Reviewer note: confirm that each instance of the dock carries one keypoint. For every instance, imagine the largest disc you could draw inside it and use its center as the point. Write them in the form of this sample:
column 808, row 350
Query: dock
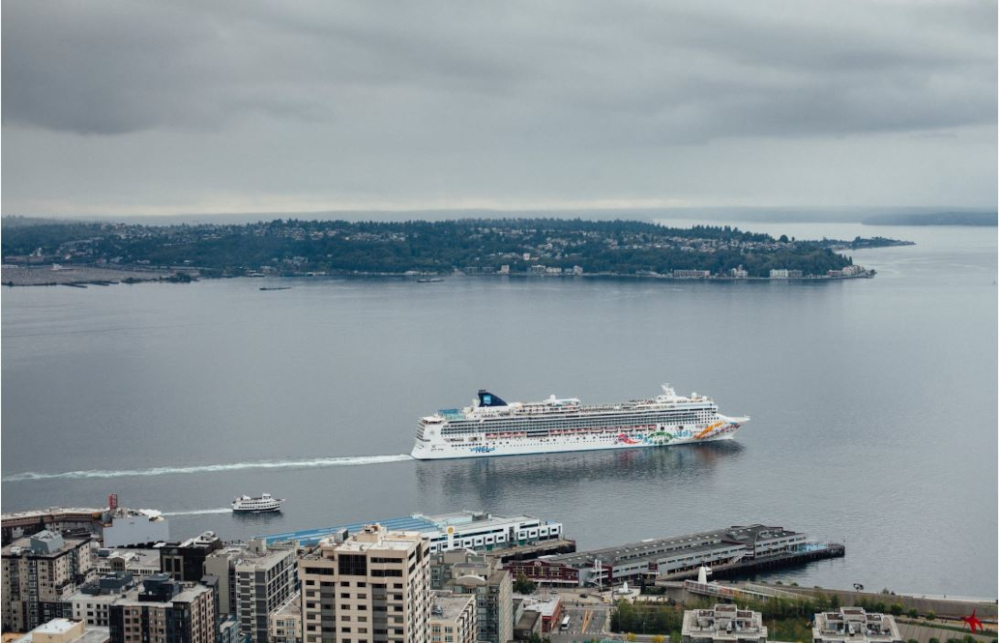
column 743, row 566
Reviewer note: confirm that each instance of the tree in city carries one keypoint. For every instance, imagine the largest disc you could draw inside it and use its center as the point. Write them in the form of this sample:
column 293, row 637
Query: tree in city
column 524, row 585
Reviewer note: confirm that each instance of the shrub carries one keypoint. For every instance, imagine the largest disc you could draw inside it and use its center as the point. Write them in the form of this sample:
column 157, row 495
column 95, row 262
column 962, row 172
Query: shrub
column 930, row 615
column 913, row 613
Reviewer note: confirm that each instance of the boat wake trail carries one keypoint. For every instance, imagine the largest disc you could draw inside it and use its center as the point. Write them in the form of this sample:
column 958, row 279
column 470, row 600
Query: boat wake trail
column 312, row 463
column 199, row 512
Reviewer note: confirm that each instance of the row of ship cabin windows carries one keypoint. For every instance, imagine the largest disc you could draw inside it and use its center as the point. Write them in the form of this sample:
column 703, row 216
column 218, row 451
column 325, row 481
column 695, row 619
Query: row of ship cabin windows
column 588, row 422
column 535, row 432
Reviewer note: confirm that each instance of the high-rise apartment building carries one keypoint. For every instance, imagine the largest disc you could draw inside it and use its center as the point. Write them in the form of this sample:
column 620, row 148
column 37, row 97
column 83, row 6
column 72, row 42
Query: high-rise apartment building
column 39, row 571
column 373, row 587
column 164, row 611
column 186, row 561
column 254, row 581
column 453, row 618
column 465, row 572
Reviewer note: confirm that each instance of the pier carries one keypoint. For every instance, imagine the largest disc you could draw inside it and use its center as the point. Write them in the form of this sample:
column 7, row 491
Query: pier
column 746, row 565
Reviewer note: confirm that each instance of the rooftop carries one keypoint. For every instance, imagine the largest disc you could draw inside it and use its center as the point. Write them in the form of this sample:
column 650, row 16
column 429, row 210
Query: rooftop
column 416, row 522
column 132, row 558
column 655, row 547
column 291, row 607
column 856, row 624
column 65, row 630
column 313, row 536
column 56, row 626
column 544, row 604
column 448, row 606
column 376, row 537
column 725, row 621
column 253, row 556
column 44, row 543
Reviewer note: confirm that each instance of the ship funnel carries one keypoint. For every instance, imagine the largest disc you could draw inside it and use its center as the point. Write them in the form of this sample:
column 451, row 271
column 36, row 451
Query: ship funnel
column 488, row 399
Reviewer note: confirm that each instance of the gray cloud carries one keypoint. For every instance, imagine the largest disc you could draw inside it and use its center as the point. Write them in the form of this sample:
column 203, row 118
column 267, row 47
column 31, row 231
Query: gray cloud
column 418, row 85
column 690, row 71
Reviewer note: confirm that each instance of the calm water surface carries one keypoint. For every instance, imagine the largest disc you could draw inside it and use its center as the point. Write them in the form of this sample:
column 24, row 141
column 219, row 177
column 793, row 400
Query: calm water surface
column 874, row 403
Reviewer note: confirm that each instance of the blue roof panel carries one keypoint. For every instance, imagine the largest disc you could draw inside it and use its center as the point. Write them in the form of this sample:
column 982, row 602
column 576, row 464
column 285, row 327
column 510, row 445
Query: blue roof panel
column 313, row 536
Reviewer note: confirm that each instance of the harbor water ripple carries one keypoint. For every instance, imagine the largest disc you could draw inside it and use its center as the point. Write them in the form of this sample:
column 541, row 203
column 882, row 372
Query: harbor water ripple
column 874, row 403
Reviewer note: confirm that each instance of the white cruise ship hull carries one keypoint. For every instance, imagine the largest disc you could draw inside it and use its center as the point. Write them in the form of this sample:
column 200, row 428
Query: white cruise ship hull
column 438, row 448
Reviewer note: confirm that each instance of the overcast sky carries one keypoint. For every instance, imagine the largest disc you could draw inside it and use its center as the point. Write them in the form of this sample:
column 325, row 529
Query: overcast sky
column 167, row 107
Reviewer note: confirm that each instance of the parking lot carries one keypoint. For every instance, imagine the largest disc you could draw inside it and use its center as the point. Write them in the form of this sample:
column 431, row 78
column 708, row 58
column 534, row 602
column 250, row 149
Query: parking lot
column 586, row 622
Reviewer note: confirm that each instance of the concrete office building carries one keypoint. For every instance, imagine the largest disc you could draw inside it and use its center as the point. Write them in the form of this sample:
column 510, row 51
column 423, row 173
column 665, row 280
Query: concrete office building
column 372, row 587
column 134, row 527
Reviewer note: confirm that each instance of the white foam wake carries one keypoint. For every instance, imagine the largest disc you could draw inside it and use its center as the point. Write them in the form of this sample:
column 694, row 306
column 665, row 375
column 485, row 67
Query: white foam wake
column 199, row 512
column 210, row 468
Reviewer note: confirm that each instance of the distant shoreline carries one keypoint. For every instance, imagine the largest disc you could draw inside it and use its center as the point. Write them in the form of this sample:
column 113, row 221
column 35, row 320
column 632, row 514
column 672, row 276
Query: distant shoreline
column 84, row 276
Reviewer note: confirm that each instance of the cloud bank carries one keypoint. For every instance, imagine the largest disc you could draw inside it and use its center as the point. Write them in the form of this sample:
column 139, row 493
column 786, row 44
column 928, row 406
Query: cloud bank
column 161, row 107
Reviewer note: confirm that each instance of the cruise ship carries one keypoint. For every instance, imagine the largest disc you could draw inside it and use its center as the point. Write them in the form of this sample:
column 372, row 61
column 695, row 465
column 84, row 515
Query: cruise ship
column 492, row 427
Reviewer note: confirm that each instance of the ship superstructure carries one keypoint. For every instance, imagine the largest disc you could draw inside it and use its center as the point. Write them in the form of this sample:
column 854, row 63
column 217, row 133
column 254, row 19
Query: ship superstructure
column 264, row 503
column 493, row 427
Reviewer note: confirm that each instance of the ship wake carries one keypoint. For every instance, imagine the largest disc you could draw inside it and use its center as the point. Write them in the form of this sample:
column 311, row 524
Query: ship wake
column 199, row 512
column 312, row 463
